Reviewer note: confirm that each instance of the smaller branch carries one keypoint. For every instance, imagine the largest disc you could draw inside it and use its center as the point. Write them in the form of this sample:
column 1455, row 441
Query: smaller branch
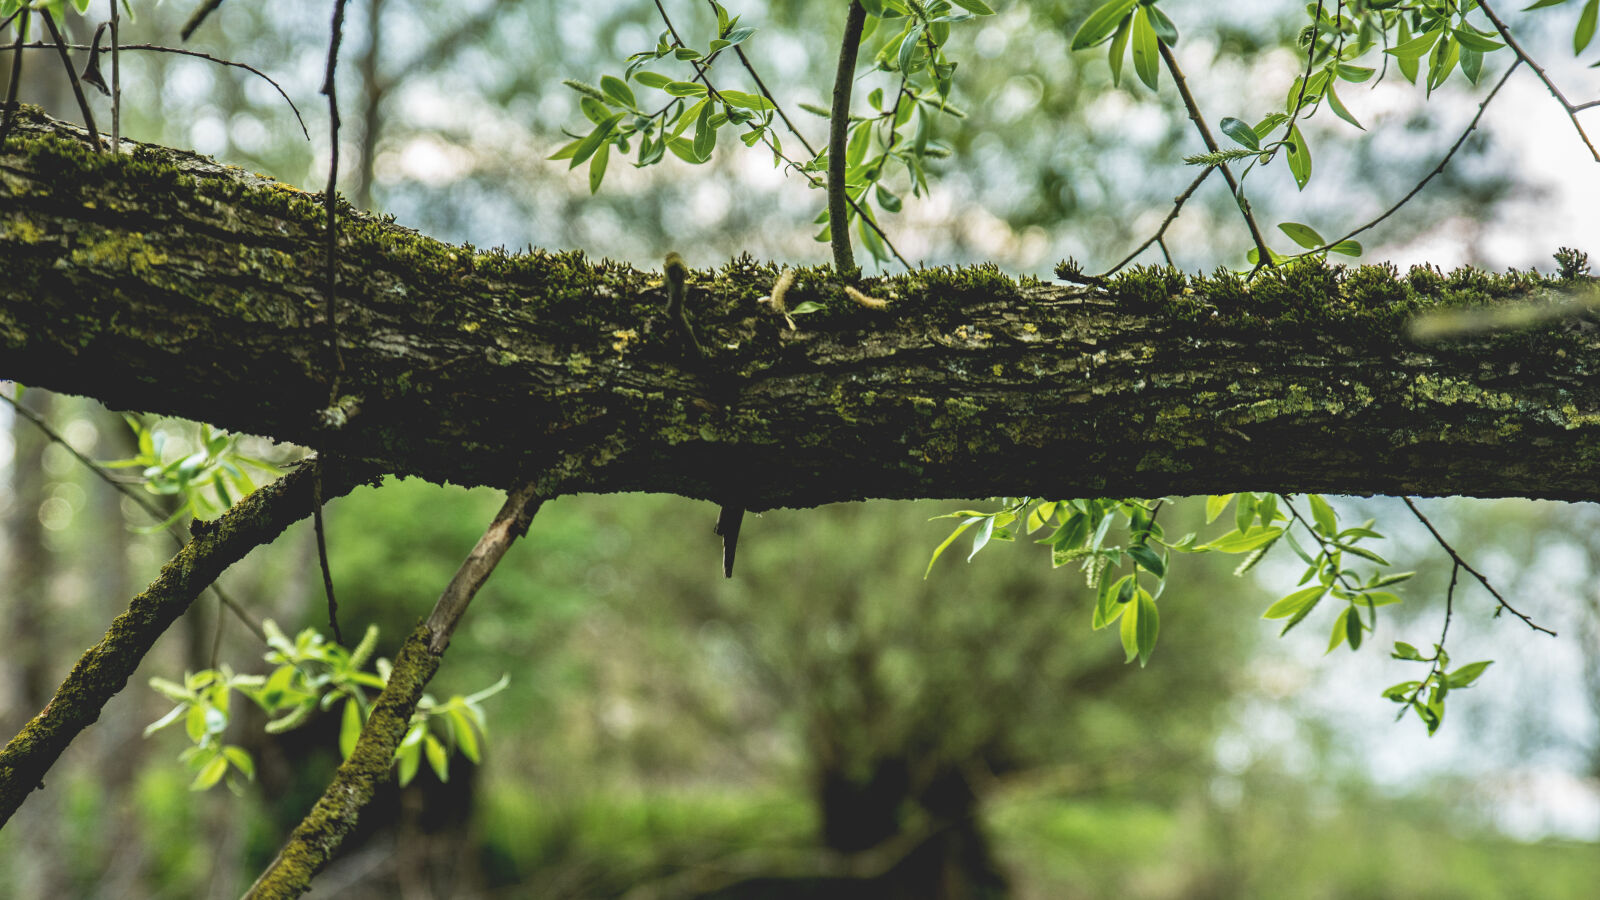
column 330, row 199
column 1522, row 56
column 72, row 77
column 1439, row 538
column 1471, row 126
column 762, row 87
column 838, row 137
column 10, row 112
column 1161, row 233
column 322, row 554
column 200, row 14
column 116, row 80
column 1264, row 256
column 319, row 835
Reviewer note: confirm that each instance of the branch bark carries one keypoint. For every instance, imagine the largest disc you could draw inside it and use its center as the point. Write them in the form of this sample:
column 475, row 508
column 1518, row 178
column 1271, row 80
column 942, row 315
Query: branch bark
column 105, row 668
column 201, row 285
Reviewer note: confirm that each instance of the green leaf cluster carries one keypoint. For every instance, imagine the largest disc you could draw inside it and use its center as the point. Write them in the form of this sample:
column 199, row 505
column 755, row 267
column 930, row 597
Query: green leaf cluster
column 312, row 673
column 204, row 473
column 1436, row 685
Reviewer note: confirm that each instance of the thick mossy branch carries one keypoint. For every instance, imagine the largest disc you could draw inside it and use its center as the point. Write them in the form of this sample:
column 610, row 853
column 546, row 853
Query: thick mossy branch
column 105, row 668
column 200, row 283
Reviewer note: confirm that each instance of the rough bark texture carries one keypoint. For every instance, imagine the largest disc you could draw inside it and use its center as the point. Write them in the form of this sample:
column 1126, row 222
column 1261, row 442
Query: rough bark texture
column 105, row 667
column 195, row 288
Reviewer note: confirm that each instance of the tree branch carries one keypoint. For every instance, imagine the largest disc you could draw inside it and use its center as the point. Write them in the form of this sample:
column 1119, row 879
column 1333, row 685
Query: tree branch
column 199, row 284
column 319, row 835
column 105, row 668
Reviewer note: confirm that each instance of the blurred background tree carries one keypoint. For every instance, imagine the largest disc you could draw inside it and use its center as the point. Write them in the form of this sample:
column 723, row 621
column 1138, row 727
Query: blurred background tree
column 671, row 735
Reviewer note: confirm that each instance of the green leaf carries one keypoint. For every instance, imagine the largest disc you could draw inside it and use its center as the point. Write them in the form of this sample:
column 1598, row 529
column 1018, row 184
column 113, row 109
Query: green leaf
column 1416, row 47
column 1403, row 650
column 908, row 47
column 410, row 757
column 976, row 7
column 746, row 101
column 597, row 167
column 1299, row 157
column 1585, row 32
column 981, row 539
column 587, row 147
column 1146, row 51
column 210, row 774
column 1467, row 674
column 438, row 759
column 1348, row 248
column 1129, row 631
column 1216, row 503
column 1165, row 30
column 1148, row 627
column 616, row 89
column 1244, row 514
column 1148, row 559
column 1243, row 542
column 968, row 523
column 652, row 79
column 1472, row 40
column 349, row 728
column 1101, row 23
column 1339, row 630
column 1356, row 74
column 1399, row 692
column 705, row 134
column 685, row 89
column 1322, row 513
column 1380, row 598
column 1543, row 3
column 1353, row 627
column 1338, row 107
column 466, row 736
column 1118, row 50
column 240, row 758
column 1304, row 235
column 1442, row 61
column 1240, row 131
column 1296, row 603
column 165, row 720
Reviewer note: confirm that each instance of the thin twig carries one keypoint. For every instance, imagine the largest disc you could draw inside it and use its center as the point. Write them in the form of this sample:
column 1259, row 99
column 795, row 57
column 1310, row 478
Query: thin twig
column 10, row 112
column 1504, row 606
column 762, row 87
column 330, row 199
column 116, row 80
column 159, row 48
column 1438, row 650
column 1264, row 255
column 199, row 17
column 838, row 138
column 1522, row 55
column 1445, row 161
column 72, row 77
column 1158, row 237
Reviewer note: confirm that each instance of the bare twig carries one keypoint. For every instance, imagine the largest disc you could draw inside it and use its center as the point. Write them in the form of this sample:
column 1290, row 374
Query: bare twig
column 158, row 48
column 1504, row 606
column 330, row 199
column 10, row 112
column 198, row 18
column 116, row 79
column 1264, row 256
column 1522, row 56
column 838, row 137
column 1160, row 235
column 1443, row 162
column 72, row 78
